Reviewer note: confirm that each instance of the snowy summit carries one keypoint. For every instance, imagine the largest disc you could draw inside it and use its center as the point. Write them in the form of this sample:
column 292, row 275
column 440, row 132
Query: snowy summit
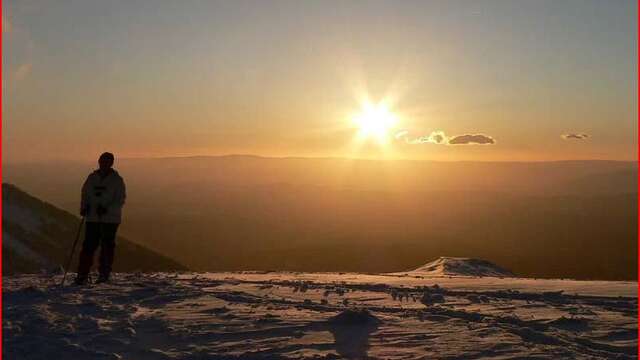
column 460, row 266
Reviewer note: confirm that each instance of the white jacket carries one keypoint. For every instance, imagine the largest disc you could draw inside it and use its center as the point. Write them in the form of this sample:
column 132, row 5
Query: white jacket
column 108, row 192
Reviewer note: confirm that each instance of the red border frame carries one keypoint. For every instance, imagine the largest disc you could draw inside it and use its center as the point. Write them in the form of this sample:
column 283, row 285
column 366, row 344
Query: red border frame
column 1, row 95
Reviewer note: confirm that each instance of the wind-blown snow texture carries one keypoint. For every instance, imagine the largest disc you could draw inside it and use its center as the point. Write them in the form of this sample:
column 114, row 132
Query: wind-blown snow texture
column 318, row 315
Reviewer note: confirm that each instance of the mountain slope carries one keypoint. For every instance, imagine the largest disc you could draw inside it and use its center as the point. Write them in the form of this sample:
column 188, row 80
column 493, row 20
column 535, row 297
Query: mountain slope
column 37, row 235
column 459, row 266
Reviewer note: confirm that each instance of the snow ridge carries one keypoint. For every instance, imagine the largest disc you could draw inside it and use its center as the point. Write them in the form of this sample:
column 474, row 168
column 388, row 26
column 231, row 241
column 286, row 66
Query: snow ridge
column 461, row 266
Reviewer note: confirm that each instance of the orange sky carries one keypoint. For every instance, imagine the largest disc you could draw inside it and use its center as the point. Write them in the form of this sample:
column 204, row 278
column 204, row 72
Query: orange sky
column 285, row 78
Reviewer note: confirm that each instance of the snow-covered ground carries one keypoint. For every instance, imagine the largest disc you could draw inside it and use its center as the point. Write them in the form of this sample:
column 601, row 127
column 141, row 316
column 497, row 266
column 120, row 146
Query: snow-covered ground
column 272, row 315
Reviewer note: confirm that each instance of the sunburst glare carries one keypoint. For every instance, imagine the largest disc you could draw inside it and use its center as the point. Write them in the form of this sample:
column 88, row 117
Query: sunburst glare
column 375, row 122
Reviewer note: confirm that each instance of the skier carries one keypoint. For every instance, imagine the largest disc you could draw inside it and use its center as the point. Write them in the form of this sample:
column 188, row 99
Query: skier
column 103, row 195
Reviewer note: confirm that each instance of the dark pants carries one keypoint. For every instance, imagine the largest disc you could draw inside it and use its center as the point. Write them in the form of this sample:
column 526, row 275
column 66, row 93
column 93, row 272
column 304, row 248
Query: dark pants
column 98, row 234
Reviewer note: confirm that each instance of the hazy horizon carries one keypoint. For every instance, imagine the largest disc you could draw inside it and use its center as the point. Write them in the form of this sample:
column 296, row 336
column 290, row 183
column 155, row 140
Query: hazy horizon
column 90, row 159
column 240, row 212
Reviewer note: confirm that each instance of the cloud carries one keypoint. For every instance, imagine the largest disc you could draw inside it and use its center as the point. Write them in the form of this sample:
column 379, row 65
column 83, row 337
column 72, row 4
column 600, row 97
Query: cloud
column 401, row 134
column 440, row 138
column 575, row 136
column 436, row 137
column 471, row 139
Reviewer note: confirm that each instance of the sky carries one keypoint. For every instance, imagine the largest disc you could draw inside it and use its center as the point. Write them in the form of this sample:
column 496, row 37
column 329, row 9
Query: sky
column 448, row 80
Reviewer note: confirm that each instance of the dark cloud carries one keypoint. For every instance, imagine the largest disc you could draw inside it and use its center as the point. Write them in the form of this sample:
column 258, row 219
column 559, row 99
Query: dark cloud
column 471, row 139
column 575, row 136
column 438, row 137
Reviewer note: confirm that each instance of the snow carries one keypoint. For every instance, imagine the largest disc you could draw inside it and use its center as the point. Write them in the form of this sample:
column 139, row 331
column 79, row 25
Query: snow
column 274, row 315
column 459, row 266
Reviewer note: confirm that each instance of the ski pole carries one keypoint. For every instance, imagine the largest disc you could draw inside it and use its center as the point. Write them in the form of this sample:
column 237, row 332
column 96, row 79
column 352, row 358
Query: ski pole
column 73, row 250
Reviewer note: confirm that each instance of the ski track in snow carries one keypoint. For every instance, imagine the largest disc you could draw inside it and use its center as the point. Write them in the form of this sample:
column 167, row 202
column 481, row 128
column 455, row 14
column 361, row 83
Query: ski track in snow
column 274, row 315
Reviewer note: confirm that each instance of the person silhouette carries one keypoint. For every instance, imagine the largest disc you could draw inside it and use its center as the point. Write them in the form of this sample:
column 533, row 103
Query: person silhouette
column 102, row 198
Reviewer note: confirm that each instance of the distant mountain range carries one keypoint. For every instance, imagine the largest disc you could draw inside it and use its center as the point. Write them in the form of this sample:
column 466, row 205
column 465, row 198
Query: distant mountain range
column 573, row 219
column 38, row 236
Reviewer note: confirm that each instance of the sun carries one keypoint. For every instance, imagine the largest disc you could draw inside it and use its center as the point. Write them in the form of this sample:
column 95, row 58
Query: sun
column 375, row 122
